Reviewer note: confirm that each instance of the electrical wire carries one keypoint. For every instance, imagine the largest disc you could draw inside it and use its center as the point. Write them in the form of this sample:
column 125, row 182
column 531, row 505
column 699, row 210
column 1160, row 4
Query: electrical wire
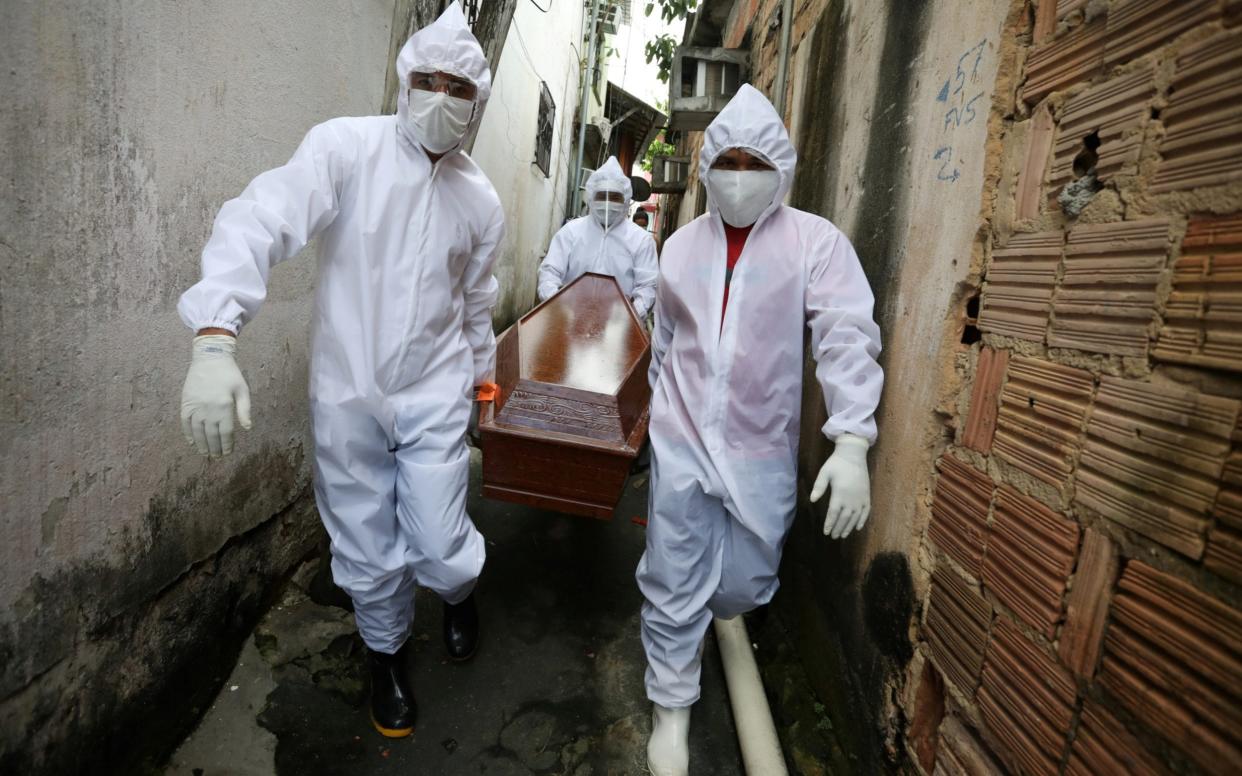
column 525, row 52
column 542, row 9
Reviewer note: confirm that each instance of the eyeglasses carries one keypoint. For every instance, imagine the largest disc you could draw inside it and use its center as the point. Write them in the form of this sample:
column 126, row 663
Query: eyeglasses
column 451, row 85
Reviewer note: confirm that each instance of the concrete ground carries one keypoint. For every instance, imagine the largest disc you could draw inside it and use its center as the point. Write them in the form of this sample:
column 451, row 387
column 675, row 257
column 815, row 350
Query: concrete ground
column 556, row 687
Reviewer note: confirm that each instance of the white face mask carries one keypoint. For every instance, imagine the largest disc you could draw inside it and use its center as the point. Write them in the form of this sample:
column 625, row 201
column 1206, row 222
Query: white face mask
column 741, row 196
column 438, row 121
column 607, row 214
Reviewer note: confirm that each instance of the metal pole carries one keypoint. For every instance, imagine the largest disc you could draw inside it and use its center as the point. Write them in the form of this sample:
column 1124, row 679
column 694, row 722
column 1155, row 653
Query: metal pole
column 571, row 204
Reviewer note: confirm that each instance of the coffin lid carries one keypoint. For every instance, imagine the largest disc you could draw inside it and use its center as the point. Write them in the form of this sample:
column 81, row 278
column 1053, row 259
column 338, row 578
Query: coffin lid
column 586, row 337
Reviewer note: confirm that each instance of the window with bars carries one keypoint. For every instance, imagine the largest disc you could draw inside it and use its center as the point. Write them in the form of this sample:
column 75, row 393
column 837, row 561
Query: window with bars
column 543, row 133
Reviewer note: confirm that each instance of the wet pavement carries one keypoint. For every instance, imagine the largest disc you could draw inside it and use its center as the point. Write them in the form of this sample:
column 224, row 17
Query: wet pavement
column 556, row 687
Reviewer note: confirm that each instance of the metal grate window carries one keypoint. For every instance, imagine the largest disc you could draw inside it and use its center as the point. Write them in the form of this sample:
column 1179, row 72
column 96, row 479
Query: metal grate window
column 543, row 134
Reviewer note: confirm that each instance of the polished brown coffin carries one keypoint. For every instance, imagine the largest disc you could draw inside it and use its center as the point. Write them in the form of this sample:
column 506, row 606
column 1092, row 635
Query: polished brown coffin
column 572, row 407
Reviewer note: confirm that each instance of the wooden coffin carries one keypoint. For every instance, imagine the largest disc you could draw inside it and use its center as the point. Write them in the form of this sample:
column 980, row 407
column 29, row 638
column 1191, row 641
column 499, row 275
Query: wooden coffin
column 571, row 413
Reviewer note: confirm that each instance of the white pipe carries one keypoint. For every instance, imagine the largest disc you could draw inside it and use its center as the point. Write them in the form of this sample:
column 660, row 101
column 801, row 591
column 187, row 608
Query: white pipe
column 761, row 749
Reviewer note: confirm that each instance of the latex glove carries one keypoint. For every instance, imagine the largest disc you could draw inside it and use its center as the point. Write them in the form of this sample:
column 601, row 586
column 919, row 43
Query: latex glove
column 547, row 290
column 845, row 472
column 213, row 387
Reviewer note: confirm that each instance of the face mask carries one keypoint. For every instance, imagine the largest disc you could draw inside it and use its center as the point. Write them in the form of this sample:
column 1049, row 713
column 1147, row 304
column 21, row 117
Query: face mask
column 438, row 121
column 741, row 196
column 607, row 214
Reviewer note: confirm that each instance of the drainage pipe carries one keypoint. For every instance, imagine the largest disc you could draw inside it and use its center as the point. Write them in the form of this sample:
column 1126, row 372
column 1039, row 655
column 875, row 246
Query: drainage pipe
column 782, row 61
column 571, row 205
column 761, row 749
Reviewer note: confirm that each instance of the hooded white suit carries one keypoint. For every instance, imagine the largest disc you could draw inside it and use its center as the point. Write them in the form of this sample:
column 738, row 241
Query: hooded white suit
column 726, row 399
column 624, row 251
column 402, row 331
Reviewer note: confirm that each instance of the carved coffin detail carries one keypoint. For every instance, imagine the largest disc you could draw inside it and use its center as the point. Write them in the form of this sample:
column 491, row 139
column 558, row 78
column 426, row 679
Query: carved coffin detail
column 571, row 414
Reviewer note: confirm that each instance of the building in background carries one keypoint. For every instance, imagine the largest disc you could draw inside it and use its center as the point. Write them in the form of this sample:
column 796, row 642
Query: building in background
column 1047, row 199
column 527, row 141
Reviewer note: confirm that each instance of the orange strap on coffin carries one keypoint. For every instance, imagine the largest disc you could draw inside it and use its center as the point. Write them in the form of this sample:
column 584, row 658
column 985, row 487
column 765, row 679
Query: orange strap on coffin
column 487, row 392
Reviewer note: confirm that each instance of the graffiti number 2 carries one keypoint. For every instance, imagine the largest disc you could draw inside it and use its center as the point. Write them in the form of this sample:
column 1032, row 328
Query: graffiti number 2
column 944, row 154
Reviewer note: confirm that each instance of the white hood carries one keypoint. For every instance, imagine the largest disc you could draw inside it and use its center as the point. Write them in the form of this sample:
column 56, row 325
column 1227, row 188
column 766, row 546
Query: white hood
column 751, row 123
column 609, row 177
column 446, row 45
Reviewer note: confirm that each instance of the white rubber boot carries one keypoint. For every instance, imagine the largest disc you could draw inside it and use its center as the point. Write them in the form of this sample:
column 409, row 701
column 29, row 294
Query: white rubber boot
column 668, row 751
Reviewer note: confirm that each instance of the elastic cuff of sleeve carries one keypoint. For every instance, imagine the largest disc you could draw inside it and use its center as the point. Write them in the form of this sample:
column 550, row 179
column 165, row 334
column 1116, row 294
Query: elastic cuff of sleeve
column 218, row 323
column 852, row 440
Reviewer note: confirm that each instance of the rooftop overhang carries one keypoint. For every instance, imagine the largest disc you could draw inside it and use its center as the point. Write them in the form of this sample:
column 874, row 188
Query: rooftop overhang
column 631, row 116
column 706, row 28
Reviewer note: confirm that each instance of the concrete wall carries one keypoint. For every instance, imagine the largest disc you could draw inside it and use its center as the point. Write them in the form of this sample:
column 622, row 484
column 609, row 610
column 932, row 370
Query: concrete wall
column 537, row 50
column 881, row 159
column 130, row 566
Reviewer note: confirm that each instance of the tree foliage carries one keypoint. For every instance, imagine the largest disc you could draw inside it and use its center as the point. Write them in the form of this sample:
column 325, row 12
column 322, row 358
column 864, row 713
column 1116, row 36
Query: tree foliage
column 660, row 49
column 658, row 147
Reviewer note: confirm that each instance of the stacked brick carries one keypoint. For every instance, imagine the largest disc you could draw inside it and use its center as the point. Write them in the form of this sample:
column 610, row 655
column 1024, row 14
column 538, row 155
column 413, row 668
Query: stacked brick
column 1085, row 608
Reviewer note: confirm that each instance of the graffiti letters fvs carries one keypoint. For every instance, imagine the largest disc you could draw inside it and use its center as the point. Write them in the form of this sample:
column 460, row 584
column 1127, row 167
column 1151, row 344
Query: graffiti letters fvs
column 961, row 97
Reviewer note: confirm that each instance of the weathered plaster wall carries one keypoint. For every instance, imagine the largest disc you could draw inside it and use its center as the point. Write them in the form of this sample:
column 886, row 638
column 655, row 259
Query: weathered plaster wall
column 893, row 145
column 129, row 565
column 538, row 50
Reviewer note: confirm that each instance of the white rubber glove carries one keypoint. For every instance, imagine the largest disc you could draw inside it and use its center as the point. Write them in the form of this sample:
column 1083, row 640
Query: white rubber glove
column 213, row 386
column 845, row 472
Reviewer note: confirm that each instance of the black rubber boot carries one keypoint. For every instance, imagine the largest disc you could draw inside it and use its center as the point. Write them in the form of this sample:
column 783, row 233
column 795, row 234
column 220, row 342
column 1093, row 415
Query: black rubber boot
column 393, row 710
column 461, row 629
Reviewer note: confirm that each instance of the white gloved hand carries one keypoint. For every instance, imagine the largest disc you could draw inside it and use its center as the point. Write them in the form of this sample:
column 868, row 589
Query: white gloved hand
column 845, row 472
column 213, row 386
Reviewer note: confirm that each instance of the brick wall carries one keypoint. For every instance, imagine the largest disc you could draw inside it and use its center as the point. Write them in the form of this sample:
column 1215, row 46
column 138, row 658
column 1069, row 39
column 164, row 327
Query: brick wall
column 1084, row 613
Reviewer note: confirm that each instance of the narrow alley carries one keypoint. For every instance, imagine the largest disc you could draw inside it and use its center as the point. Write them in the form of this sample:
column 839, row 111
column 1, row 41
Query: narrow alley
column 555, row 688
column 620, row 387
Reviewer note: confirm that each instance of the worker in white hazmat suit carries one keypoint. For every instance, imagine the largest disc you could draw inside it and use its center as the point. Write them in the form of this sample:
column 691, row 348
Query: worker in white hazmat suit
column 604, row 241
column 402, row 330
column 737, row 287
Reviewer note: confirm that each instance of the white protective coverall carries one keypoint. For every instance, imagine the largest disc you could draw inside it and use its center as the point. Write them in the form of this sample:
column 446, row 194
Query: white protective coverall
column 624, row 250
column 726, row 399
column 402, row 330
